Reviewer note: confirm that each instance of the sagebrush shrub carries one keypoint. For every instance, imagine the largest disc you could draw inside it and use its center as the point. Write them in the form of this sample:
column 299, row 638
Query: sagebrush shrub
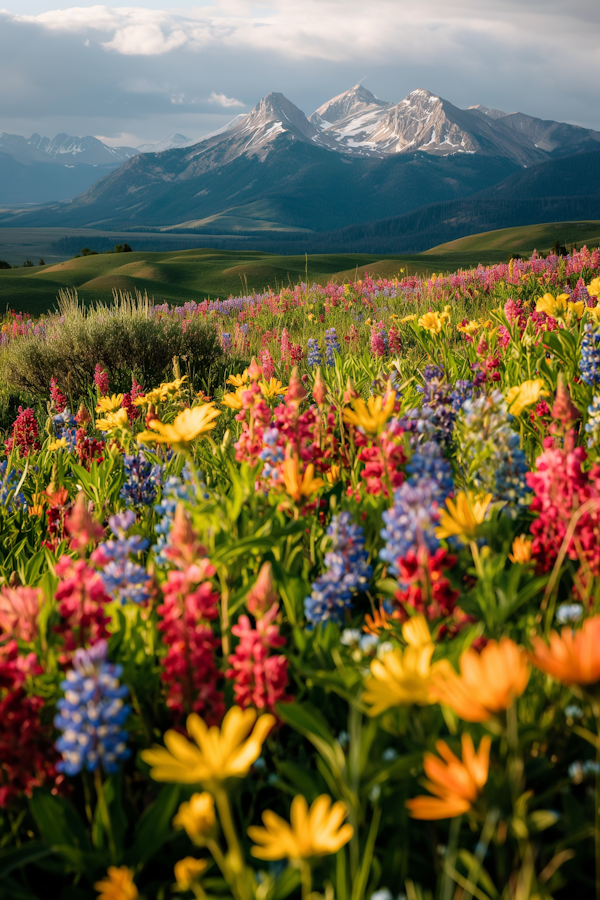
column 123, row 337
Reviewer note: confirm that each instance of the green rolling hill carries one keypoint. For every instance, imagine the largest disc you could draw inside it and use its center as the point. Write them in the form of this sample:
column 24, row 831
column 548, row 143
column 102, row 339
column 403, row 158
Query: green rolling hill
column 184, row 275
column 179, row 276
column 524, row 239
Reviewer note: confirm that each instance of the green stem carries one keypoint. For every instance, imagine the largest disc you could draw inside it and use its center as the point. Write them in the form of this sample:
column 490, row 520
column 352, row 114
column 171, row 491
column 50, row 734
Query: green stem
column 515, row 761
column 476, row 558
column 240, row 883
column 104, row 814
column 305, row 878
column 448, row 881
column 596, row 710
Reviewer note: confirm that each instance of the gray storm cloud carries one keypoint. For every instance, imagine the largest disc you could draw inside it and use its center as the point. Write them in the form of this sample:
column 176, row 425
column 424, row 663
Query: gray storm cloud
column 147, row 72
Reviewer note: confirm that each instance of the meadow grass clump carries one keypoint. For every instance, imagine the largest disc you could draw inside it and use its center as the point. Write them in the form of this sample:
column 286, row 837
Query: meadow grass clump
column 125, row 336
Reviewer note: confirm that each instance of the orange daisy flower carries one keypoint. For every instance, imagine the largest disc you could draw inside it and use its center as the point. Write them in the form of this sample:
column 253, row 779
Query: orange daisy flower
column 488, row 682
column 572, row 657
column 456, row 784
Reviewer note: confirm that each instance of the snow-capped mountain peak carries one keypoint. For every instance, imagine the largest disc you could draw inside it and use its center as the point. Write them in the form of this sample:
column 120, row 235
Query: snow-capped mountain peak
column 169, row 143
column 355, row 102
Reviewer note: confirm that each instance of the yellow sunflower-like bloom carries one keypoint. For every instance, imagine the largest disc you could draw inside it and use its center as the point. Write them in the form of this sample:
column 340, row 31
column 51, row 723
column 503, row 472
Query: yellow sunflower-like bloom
column 233, row 400
column 113, row 421
column 469, row 328
column 522, row 395
column 165, row 391
column 109, row 404
column 406, row 319
column 300, row 485
column 594, row 312
column 456, row 784
column 403, row 677
column 272, row 388
column 220, row 753
column 317, row 831
column 463, row 516
column 188, row 871
column 432, row 322
column 372, row 415
column 59, row 444
column 552, row 306
column 197, row 816
column 521, row 550
column 594, row 287
column 189, row 425
column 488, row 682
column 239, row 380
column 118, row 885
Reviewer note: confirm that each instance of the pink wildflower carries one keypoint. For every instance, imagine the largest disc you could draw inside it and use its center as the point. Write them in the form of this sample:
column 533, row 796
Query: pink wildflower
column 24, row 433
column 260, row 678
column 19, row 612
column 59, row 400
column 189, row 668
column 101, row 379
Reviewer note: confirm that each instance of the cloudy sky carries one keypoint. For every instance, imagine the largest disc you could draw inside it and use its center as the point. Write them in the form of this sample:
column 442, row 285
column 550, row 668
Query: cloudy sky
column 136, row 73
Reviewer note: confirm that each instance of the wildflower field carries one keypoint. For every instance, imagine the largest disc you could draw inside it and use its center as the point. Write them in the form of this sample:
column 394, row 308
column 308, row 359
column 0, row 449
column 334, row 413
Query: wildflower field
column 300, row 592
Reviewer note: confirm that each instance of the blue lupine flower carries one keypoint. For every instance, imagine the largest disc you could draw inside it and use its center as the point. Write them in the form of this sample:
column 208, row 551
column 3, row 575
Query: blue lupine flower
column 332, row 346
column 463, row 390
column 175, row 490
column 65, row 426
column 437, row 415
column 410, row 522
column 589, row 364
column 226, row 342
column 123, row 579
column 347, row 572
column 272, row 456
column 315, row 357
column 427, row 462
column 592, row 426
column 143, row 477
column 8, row 485
column 92, row 714
column 511, row 483
column 489, row 452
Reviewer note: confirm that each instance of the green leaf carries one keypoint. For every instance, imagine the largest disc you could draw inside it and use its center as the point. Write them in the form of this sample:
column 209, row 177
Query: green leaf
column 154, row 826
column 307, row 720
column 541, row 819
column 13, row 859
column 60, row 827
column 285, row 885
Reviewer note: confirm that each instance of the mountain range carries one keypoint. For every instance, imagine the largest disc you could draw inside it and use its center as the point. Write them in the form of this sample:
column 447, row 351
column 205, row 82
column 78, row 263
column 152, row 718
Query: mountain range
column 357, row 159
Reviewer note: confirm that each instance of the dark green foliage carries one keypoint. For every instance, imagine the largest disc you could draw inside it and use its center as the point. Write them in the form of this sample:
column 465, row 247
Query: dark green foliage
column 28, row 264
column 5, row 265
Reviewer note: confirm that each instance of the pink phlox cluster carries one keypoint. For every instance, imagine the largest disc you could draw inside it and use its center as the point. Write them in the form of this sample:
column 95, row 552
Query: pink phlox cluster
column 27, row 754
column 267, row 363
column 19, row 612
column 260, row 678
column 101, row 379
column 82, row 601
column 285, row 348
column 25, row 433
column 561, row 487
column 59, row 401
column 189, row 670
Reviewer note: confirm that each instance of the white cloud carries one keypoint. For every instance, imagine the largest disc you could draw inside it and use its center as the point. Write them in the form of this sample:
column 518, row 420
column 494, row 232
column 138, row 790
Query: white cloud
column 335, row 30
column 223, row 100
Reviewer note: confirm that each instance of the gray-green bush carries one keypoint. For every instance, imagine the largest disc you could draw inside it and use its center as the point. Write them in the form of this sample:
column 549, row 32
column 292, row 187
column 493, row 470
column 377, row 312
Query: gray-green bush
column 125, row 338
